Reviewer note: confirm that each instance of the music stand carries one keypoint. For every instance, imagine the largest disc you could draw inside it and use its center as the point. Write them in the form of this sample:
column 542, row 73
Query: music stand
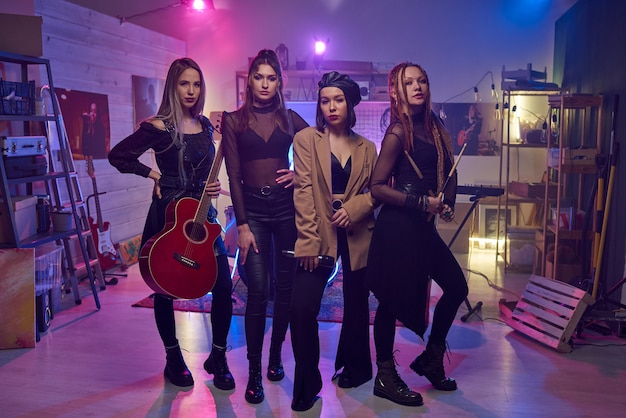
column 475, row 198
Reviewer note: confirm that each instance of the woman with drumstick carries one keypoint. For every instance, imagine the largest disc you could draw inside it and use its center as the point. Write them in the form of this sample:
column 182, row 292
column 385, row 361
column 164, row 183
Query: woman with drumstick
column 406, row 251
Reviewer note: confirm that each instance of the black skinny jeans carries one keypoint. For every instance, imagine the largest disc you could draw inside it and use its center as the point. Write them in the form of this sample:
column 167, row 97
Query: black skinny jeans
column 271, row 219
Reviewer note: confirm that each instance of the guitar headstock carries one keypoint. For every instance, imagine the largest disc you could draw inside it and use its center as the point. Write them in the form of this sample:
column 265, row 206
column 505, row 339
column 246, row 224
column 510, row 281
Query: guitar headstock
column 90, row 169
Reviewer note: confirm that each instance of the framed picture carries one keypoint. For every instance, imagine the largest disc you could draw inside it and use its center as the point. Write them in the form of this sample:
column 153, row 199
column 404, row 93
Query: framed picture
column 473, row 124
column 86, row 117
column 146, row 96
column 488, row 220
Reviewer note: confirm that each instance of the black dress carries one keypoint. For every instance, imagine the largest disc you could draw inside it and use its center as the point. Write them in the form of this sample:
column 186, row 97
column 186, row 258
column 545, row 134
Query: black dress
column 406, row 250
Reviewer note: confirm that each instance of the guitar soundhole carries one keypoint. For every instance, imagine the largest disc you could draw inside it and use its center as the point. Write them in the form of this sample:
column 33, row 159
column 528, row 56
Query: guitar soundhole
column 195, row 231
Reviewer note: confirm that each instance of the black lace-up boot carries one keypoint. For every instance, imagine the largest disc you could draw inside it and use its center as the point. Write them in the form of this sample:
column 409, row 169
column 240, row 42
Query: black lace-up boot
column 275, row 371
column 217, row 366
column 389, row 385
column 430, row 365
column 176, row 370
column 254, row 390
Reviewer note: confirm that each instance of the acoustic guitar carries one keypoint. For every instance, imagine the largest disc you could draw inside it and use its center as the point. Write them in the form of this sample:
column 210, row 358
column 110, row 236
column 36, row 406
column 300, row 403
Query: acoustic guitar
column 101, row 231
column 180, row 261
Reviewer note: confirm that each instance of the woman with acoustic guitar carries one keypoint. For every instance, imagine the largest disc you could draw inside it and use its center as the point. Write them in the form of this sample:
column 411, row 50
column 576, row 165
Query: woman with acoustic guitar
column 182, row 141
column 257, row 139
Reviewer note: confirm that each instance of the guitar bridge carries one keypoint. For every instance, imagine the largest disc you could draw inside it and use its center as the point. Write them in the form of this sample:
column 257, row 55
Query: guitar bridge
column 186, row 261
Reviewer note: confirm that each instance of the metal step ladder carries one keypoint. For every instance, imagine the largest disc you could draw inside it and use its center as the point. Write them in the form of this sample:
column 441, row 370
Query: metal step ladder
column 80, row 250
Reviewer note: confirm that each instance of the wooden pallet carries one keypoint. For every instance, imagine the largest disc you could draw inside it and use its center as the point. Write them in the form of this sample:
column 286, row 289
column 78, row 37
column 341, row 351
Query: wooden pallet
column 548, row 311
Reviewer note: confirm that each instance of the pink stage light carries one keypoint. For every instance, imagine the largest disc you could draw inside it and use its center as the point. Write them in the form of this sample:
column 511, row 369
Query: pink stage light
column 201, row 6
column 320, row 47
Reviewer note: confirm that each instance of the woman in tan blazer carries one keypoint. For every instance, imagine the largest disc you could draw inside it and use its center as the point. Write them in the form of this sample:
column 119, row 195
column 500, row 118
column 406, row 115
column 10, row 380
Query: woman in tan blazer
column 334, row 218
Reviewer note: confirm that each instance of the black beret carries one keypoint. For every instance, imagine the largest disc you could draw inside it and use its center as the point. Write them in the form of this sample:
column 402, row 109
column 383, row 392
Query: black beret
column 350, row 88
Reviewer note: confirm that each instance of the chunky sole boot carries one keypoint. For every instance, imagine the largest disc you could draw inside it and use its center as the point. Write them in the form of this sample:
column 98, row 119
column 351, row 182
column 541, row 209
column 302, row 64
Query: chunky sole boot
column 275, row 370
column 430, row 365
column 217, row 366
column 254, row 389
column 176, row 370
column 389, row 385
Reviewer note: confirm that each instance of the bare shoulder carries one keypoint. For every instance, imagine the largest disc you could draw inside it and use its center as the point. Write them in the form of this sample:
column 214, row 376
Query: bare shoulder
column 157, row 123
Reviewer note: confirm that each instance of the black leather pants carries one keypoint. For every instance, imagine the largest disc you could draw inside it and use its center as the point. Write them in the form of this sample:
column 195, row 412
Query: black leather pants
column 272, row 221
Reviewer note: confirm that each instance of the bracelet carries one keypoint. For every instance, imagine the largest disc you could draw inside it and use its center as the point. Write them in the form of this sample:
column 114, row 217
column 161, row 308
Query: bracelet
column 425, row 203
column 417, row 202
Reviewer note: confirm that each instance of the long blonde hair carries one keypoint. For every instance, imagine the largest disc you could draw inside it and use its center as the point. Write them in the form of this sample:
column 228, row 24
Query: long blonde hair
column 400, row 111
column 170, row 109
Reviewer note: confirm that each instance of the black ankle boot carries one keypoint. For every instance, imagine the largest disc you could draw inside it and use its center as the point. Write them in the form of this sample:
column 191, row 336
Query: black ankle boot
column 275, row 370
column 176, row 370
column 389, row 385
column 430, row 365
column 254, row 390
column 217, row 366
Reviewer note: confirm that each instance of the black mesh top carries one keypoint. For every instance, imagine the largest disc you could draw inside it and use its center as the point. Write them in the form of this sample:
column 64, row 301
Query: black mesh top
column 392, row 162
column 254, row 155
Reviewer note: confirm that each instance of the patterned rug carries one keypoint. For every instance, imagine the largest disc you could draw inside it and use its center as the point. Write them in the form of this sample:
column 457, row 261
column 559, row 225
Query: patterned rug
column 330, row 311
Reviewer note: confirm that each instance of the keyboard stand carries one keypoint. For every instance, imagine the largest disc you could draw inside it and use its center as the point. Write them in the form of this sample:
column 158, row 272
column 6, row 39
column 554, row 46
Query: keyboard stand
column 474, row 199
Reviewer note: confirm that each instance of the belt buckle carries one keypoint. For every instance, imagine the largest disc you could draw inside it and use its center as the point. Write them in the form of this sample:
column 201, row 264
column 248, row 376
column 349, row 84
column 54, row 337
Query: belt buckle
column 266, row 191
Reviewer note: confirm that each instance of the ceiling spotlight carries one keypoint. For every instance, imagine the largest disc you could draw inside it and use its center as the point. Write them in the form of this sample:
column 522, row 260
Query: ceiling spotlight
column 320, row 47
column 194, row 5
column 200, row 5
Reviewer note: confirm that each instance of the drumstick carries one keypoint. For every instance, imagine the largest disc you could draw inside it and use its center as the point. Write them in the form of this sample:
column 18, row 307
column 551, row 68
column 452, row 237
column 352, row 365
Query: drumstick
column 450, row 174
column 452, row 170
column 417, row 170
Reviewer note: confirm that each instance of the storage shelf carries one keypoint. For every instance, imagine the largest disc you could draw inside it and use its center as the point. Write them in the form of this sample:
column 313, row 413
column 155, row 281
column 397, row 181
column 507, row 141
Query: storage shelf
column 33, row 179
column 577, row 118
column 62, row 186
column 27, row 118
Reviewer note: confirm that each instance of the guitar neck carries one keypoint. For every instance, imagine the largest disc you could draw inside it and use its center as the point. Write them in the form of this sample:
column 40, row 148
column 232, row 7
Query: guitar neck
column 96, row 198
column 205, row 200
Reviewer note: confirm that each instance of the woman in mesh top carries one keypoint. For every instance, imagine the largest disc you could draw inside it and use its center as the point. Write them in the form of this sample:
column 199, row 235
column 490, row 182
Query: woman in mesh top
column 257, row 139
column 406, row 250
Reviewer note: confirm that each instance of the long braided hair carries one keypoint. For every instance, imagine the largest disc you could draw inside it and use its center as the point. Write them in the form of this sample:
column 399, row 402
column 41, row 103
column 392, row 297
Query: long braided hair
column 400, row 111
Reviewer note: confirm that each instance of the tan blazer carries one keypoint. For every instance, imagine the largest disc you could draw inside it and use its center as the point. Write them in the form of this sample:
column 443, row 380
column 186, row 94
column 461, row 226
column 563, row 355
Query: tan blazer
column 313, row 196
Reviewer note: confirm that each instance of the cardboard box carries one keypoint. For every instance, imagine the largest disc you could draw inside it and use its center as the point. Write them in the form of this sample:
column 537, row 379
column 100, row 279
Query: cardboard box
column 17, row 299
column 537, row 190
column 21, row 34
column 25, row 218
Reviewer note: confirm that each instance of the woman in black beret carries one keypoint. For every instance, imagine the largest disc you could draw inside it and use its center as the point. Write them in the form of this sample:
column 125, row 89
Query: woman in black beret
column 334, row 219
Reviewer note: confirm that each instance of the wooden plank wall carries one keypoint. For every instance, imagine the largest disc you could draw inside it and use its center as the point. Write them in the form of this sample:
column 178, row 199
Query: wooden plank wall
column 92, row 52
